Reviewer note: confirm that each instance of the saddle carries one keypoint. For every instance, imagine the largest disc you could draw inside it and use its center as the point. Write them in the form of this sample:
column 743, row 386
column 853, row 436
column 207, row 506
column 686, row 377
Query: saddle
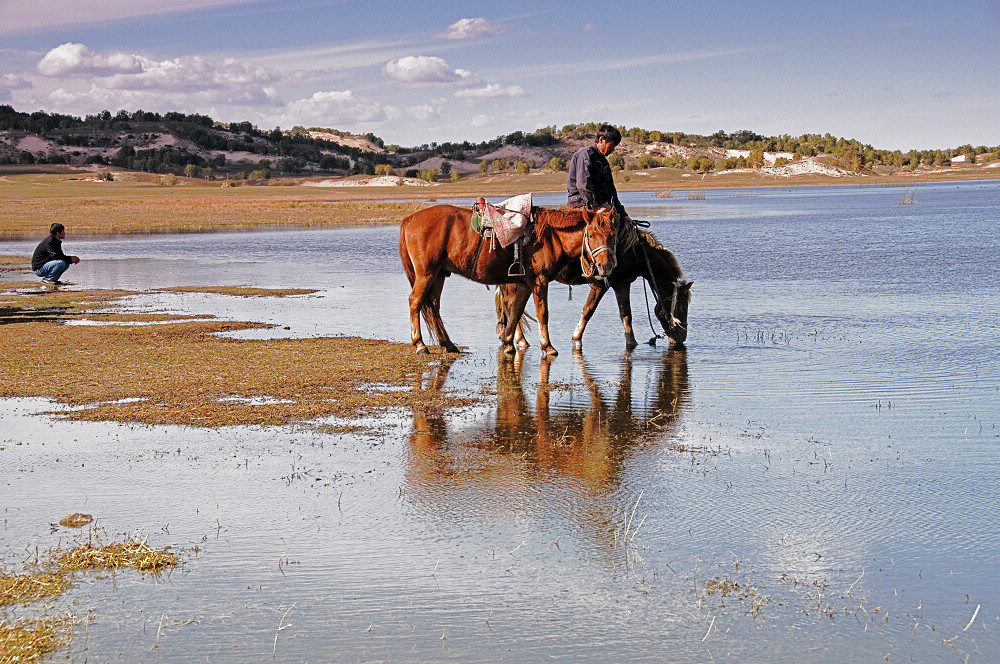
column 508, row 222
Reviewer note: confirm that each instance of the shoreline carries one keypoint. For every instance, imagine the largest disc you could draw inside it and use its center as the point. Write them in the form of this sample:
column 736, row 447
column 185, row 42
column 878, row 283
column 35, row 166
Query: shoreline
column 31, row 202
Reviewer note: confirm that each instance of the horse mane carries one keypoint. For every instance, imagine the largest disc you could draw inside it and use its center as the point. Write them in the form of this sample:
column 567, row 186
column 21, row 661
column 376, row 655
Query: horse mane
column 564, row 217
column 665, row 254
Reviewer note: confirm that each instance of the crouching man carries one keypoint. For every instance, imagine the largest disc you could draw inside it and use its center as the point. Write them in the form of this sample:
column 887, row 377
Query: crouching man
column 49, row 262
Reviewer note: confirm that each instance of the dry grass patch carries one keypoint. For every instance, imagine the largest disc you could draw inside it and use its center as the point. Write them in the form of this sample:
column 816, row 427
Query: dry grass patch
column 26, row 588
column 31, row 640
column 132, row 553
column 181, row 372
column 242, row 291
column 31, row 203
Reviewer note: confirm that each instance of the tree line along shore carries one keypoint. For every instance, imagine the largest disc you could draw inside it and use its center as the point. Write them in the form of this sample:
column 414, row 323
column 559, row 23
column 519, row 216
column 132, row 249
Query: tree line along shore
column 197, row 146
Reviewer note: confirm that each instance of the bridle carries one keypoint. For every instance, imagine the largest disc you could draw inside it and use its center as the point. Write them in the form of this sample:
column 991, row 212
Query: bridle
column 594, row 253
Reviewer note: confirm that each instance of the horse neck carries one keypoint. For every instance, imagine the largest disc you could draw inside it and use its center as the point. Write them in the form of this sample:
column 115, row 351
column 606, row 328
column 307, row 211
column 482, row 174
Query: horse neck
column 560, row 228
column 567, row 219
column 664, row 266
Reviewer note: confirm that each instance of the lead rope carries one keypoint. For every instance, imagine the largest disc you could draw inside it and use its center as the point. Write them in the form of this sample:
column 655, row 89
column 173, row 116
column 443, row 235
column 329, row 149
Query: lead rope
column 656, row 295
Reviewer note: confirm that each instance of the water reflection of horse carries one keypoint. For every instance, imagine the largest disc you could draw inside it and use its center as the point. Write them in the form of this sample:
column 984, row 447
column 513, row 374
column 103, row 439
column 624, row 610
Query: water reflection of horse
column 439, row 241
column 645, row 258
column 452, row 465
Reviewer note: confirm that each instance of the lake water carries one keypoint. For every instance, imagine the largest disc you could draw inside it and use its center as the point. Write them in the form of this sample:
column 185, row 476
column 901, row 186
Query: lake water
column 814, row 479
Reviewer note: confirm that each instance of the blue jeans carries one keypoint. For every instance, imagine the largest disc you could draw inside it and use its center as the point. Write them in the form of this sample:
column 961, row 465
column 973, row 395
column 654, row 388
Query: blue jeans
column 52, row 270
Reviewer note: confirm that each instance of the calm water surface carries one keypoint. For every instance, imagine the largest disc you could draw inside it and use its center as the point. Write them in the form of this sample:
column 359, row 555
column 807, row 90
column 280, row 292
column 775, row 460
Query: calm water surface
column 814, row 479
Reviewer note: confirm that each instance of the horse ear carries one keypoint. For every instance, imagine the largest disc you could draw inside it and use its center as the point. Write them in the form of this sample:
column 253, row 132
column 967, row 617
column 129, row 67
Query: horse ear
column 687, row 285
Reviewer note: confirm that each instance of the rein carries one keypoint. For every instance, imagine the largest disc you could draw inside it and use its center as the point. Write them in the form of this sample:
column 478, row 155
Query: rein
column 658, row 299
column 656, row 296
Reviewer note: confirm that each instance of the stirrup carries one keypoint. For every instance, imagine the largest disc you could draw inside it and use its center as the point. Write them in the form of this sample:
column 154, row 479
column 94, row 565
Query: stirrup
column 516, row 270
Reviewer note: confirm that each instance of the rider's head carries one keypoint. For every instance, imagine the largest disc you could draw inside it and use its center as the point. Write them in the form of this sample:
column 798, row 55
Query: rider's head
column 608, row 138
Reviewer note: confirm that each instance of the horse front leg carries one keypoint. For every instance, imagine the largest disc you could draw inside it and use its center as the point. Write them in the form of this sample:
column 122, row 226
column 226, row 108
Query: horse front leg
column 541, row 292
column 589, row 307
column 521, row 294
column 623, row 295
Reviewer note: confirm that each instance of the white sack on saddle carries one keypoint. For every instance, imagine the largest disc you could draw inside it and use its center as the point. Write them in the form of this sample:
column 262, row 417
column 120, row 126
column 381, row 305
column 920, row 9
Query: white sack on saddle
column 509, row 218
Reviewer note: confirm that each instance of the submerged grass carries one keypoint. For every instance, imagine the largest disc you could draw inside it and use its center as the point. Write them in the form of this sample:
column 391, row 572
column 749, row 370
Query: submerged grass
column 27, row 588
column 132, row 553
column 31, row 640
column 242, row 291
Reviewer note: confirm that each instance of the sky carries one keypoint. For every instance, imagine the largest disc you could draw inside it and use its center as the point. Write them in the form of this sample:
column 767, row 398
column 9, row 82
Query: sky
column 919, row 74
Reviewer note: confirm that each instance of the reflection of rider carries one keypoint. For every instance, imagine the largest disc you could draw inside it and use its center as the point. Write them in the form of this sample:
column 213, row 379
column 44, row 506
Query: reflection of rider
column 590, row 183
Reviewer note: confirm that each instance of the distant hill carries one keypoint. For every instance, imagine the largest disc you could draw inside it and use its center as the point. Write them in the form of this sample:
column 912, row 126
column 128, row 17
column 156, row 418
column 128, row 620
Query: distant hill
column 197, row 145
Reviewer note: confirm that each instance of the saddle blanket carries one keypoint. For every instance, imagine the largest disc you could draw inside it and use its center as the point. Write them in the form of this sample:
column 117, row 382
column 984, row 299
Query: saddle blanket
column 508, row 218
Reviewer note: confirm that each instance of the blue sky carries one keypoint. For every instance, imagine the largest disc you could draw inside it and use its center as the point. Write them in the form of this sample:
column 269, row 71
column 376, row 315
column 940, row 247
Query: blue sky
column 918, row 74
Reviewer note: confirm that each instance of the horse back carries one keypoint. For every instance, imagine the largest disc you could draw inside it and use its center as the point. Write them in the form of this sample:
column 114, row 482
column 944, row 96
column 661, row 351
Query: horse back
column 441, row 238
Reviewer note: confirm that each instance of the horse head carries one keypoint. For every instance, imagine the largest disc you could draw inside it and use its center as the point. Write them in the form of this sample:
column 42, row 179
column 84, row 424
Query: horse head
column 674, row 321
column 599, row 255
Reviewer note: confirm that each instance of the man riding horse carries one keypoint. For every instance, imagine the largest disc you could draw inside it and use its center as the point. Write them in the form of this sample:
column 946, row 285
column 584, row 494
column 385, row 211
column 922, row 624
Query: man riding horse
column 590, row 183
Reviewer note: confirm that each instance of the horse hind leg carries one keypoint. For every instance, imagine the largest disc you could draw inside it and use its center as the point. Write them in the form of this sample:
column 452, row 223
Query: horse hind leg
column 432, row 315
column 501, row 299
column 521, row 295
column 625, row 311
column 417, row 298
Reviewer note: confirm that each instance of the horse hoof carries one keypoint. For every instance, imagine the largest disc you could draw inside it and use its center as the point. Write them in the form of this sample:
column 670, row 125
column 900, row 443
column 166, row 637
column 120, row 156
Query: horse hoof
column 451, row 348
column 551, row 351
column 577, row 344
column 523, row 345
column 422, row 350
column 508, row 349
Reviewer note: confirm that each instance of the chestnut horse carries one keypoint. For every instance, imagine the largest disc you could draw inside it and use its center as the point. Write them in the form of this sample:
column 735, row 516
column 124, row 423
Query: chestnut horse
column 645, row 258
column 438, row 241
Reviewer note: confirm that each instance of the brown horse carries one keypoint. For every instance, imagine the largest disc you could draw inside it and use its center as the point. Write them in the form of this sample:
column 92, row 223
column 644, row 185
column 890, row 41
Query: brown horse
column 438, row 241
column 645, row 258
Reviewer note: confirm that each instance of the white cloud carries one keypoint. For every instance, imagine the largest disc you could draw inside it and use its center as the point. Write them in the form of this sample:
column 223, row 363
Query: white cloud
column 422, row 112
column 14, row 82
column 425, row 69
column 192, row 73
column 490, row 91
column 470, row 28
column 10, row 82
column 135, row 79
column 336, row 107
column 71, row 59
column 480, row 120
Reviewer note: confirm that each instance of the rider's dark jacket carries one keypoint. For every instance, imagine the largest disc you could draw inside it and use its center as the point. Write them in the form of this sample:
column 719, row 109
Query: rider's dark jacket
column 590, row 184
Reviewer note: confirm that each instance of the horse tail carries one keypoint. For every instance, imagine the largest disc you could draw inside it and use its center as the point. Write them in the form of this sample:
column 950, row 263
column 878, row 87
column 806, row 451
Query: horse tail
column 500, row 301
column 404, row 254
column 433, row 329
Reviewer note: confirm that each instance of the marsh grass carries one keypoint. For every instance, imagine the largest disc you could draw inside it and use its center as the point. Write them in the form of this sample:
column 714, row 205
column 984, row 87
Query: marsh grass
column 180, row 371
column 132, row 553
column 30, row 203
column 242, row 291
column 31, row 640
column 27, row 588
